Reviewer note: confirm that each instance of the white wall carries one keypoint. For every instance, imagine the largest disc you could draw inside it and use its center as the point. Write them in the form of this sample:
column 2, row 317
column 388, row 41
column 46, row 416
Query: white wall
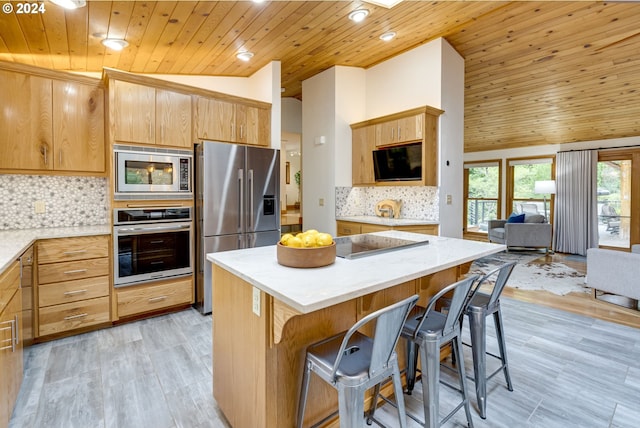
column 318, row 172
column 406, row 81
column 450, row 165
column 291, row 115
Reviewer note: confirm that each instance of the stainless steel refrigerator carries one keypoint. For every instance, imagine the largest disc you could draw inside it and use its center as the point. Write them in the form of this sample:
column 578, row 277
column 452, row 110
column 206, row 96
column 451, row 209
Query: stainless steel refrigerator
column 237, row 204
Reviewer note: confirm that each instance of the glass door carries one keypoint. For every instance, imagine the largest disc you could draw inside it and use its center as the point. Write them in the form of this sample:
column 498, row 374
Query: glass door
column 615, row 200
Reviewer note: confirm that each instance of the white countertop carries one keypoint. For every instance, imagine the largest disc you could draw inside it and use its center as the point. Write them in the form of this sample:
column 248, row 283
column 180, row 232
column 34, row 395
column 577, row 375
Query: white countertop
column 386, row 221
column 308, row 290
column 14, row 242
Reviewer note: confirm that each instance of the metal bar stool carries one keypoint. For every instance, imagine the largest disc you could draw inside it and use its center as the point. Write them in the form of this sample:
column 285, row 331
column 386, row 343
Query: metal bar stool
column 480, row 307
column 352, row 363
column 426, row 333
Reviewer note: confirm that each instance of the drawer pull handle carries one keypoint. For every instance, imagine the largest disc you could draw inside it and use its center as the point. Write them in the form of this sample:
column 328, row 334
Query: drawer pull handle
column 157, row 299
column 73, row 317
column 68, row 253
column 71, row 293
column 69, row 272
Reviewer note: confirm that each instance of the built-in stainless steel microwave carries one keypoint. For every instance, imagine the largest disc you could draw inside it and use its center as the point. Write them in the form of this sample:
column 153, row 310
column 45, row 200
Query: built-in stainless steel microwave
column 150, row 173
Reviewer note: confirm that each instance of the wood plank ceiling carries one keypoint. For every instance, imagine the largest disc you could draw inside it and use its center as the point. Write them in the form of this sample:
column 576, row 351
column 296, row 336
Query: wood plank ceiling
column 536, row 72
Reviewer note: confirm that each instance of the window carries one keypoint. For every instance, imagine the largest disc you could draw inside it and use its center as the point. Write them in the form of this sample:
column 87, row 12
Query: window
column 482, row 195
column 521, row 177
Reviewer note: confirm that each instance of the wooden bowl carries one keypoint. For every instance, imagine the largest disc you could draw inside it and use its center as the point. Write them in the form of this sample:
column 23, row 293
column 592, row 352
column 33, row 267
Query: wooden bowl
column 306, row 257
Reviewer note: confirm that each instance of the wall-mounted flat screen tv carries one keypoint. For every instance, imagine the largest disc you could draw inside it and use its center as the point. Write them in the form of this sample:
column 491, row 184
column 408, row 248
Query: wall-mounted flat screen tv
column 400, row 163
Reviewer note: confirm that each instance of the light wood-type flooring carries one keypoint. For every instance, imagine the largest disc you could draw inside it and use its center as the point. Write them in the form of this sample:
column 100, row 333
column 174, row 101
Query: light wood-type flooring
column 570, row 368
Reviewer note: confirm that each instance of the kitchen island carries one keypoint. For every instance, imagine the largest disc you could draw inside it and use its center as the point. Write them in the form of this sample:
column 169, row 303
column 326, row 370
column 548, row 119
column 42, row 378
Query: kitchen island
column 265, row 315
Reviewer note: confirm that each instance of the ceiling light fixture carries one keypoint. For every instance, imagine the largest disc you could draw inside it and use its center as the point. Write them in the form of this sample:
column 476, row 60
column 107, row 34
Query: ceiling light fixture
column 358, row 15
column 244, row 55
column 70, row 4
column 115, row 44
column 389, row 35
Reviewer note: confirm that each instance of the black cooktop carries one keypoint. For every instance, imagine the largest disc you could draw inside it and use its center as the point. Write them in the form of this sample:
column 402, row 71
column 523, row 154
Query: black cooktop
column 354, row 246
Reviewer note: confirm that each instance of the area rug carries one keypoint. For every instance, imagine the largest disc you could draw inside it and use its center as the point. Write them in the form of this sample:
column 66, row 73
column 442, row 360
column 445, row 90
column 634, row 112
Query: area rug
column 553, row 277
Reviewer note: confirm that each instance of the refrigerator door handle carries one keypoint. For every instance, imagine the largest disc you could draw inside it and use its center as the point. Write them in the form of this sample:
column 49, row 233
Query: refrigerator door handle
column 250, row 184
column 241, row 199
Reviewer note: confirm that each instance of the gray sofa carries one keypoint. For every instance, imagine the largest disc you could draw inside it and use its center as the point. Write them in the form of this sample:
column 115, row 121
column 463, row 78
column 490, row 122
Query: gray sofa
column 614, row 272
column 535, row 232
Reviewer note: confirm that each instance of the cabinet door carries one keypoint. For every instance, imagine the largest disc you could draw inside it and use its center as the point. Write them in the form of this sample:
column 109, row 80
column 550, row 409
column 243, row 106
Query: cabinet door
column 388, row 133
column 362, row 146
column 78, row 127
column 410, row 128
column 26, row 136
column 10, row 356
column 216, row 120
column 173, row 119
column 134, row 112
column 257, row 127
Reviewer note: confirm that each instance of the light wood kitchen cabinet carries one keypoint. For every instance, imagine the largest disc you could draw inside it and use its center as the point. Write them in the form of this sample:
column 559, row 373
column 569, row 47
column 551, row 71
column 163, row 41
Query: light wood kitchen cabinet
column 73, row 285
column 400, row 131
column 146, row 115
column 26, row 132
column 78, row 127
column 227, row 121
column 411, row 126
column 11, row 358
column 363, row 144
column 143, row 298
column 50, row 122
column 353, row 228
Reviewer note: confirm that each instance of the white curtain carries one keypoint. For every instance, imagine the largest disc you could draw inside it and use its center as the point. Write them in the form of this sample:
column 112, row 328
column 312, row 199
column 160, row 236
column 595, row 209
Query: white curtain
column 576, row 208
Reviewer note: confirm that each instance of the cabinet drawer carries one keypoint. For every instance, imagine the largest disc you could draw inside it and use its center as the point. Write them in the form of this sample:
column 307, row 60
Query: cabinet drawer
column 69, row 316
column 68, row 249
column 73, row 291
column 9, row 283
column 149, row 297
column 346, row 228
column 67, row 271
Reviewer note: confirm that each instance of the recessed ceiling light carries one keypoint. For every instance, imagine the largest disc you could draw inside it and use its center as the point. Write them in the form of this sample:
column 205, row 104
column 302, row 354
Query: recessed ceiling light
column 115, row 44
column 244, row 55
column 389, row 35
column 70, row 4
column 358, row 15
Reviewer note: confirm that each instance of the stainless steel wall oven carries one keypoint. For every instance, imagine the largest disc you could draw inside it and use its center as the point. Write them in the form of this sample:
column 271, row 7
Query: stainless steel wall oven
column 151, row 244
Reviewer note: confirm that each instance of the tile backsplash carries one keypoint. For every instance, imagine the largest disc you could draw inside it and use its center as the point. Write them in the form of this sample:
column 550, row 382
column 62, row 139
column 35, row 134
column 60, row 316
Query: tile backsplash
column 418, row 202
column 69, row 201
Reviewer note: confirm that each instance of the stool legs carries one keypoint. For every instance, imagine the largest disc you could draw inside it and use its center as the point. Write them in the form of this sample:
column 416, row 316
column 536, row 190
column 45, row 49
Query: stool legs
column 478, row 329
column 350, row 406
column 497, row 317
column 302, row 404
column 430, row 362
column 412, row 363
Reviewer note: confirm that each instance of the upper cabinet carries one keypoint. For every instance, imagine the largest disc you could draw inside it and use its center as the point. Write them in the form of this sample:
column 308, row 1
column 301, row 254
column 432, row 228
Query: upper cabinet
column 146, row 115
column 418, row 125
column 50, row 121
column 234, row 122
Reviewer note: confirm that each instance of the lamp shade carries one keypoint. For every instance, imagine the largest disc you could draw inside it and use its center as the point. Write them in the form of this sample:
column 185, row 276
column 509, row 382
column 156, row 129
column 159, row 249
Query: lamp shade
column 545, row 187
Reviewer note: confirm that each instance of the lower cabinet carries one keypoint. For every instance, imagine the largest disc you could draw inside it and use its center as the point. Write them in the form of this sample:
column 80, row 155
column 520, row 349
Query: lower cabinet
column 72, row 284
column 353, row 228
column 139, row 299
column 11, row 363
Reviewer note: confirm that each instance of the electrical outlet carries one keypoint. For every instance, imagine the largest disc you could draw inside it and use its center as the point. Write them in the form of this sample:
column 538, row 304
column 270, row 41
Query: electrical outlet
column 321, row 202
column 448, row 199
column 39, row 207
column 256, row 301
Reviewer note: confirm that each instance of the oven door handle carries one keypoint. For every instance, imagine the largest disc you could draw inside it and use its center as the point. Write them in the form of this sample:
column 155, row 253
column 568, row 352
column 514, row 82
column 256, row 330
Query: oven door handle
column 138, row 230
